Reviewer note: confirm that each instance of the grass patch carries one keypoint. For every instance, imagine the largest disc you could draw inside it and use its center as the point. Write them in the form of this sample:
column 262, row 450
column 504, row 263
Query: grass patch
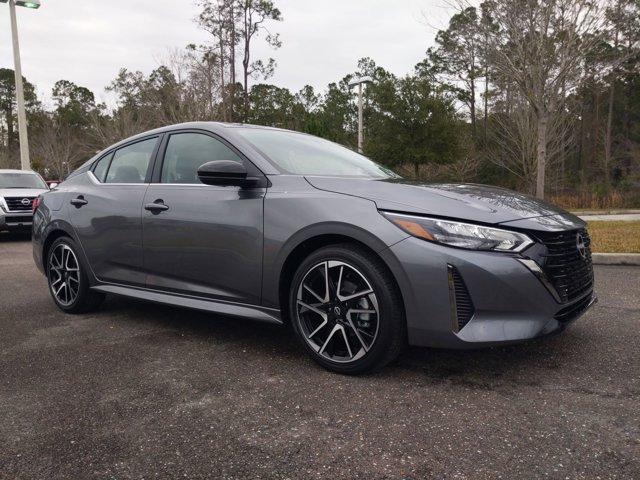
column 614, row 237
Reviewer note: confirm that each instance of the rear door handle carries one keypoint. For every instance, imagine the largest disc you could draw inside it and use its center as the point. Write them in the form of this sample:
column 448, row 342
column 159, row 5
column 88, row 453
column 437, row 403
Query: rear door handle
column 78, row 201
column 156, row 207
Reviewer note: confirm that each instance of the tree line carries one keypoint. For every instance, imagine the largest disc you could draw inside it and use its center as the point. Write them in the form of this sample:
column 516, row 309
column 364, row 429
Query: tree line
column 542, row 96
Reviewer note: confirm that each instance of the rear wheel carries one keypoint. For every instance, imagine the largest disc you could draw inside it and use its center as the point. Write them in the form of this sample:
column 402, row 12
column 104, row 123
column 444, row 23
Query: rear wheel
column 346, row 310
column 68, row 282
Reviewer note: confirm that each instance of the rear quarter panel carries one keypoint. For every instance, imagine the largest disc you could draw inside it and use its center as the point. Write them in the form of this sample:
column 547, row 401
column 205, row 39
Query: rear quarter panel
column 50, row 216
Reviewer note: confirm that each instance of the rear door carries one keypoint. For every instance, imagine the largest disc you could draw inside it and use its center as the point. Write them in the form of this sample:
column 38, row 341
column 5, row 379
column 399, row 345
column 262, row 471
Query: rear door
column 105, row 210
column 207, row 240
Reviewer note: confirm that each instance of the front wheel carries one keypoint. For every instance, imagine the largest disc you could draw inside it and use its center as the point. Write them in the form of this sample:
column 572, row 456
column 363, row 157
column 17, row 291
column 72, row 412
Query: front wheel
column 68, row 282
column 347, row 311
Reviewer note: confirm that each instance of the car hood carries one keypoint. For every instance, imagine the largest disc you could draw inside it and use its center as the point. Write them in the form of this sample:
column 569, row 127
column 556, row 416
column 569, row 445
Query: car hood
column 479, row 203
column 21, row 192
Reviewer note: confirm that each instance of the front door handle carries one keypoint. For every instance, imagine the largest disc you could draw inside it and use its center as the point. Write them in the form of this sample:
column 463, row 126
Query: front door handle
column 78, row 201
column 156, row 207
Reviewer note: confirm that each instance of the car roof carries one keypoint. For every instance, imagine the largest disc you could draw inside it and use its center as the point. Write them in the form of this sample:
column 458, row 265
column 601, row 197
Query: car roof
column 212, row 126
column 216, row 127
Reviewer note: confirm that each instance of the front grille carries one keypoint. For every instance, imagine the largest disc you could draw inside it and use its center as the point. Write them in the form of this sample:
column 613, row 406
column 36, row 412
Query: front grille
column 15, row 203
column 18, row 220
column 570, row 273
column 462, row 308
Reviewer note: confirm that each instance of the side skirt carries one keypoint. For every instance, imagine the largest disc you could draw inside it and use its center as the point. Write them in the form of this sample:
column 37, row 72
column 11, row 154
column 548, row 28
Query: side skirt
column 262, row 314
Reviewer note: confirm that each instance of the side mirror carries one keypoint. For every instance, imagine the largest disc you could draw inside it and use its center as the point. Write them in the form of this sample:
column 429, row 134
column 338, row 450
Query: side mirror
column 53, row 185
column 224, row 173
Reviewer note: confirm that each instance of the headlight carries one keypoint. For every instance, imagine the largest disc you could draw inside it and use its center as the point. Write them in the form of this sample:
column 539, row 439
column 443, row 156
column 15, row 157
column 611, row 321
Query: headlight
column 461, row 235
column 3, row 205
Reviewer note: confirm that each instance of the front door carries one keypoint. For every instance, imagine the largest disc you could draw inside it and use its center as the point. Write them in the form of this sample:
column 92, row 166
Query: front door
column 199, row 239
column 105, row 210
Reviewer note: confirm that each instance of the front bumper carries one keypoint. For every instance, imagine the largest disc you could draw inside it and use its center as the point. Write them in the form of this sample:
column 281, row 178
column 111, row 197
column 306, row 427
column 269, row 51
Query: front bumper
column 15, row 221
column 510, row 303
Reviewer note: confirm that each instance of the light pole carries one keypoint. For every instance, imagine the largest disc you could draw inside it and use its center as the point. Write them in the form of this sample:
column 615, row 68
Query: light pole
column 359, row 82
column 25, row 164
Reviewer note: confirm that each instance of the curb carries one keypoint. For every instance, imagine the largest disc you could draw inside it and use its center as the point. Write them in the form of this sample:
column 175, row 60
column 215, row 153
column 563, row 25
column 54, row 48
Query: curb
column 621, row 211
column 616, row 259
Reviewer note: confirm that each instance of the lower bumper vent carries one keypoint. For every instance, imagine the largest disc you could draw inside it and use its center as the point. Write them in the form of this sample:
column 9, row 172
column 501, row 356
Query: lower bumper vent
column 462, row 308
column 573, row 311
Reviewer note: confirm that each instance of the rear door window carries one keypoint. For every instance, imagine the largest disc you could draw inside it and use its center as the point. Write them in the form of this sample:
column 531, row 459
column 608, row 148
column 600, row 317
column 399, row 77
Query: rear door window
column 130, row 163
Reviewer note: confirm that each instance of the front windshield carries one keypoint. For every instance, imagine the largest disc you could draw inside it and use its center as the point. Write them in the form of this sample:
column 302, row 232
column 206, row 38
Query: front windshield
column 301, row 154
column 21, row 180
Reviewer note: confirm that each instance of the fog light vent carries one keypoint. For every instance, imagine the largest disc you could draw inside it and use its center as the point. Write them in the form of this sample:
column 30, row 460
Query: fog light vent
column 462, row 308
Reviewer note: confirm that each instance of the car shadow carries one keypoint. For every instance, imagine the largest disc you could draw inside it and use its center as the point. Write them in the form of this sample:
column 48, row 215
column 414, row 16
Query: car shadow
column 251, row 334
column 478, row 368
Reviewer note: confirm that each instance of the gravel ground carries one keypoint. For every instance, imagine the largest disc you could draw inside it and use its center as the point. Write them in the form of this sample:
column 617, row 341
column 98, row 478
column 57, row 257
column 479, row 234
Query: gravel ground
column 144, row 391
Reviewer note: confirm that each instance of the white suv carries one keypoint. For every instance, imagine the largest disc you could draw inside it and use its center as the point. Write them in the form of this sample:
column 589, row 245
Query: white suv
column 18, row 189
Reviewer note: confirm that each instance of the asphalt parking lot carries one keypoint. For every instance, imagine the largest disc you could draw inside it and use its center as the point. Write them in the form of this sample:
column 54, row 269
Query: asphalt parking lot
column 144, row 391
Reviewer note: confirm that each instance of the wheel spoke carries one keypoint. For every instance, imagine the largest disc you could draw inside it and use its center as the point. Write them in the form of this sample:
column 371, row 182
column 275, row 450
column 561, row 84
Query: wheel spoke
column 65, row 258
column 327, row 296
column 58, row 264
column 339, row 287
column 355, row 330
column 320, row 327
column 313, row 309
column 326, row 342
column 354, row 310
column 318, row 297
column 346, row 341
column 355, row 295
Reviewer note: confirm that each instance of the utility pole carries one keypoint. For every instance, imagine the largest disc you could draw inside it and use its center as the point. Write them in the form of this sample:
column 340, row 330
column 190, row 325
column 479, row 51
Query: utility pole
column 361, row 81
column 25, row 164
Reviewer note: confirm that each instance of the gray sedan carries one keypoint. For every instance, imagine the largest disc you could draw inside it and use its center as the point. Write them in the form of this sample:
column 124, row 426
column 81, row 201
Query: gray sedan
column 285, row 227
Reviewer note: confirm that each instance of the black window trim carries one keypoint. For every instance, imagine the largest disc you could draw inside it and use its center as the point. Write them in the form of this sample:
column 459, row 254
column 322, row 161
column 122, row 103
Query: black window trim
column 156, row 177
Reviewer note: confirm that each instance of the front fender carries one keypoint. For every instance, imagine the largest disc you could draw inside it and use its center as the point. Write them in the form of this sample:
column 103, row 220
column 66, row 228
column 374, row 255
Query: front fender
column 290, row 220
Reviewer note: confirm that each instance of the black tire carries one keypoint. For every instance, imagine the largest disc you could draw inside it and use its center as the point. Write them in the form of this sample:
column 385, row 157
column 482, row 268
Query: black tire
column 390, row 337
column 86, row 299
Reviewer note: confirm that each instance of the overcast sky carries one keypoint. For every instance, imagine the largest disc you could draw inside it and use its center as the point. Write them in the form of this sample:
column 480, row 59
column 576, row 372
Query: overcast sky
column 88, row 41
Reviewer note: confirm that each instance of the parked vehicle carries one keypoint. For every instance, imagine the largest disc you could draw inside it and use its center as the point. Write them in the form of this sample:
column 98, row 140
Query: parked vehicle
column 286, row 227
column 18, row 189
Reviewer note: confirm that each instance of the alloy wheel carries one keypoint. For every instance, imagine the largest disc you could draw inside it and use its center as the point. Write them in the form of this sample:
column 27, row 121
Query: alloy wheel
column 64, row 274
column 337, row 311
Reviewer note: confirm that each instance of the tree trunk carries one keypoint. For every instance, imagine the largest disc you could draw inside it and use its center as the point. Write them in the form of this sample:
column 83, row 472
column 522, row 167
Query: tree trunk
column 232, row 61
column 608, row 135
column 541, row 163
column 596, row 130
column 9, row 119
column 224, row 93
column 486, row 105
column 608, row 140
column 245, row 64
column 474, row 127
column 246, row 94
column 486, row 93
